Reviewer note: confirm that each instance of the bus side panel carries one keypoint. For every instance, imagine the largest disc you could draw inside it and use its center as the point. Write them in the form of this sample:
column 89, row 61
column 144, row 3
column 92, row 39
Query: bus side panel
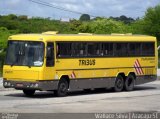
column 105, row 71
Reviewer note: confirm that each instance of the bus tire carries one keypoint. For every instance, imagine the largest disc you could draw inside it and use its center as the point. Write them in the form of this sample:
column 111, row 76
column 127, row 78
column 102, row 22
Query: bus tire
column 28, row 92
column 87, row 90
column 119, row 84
column 62, row 88
column 129, row 83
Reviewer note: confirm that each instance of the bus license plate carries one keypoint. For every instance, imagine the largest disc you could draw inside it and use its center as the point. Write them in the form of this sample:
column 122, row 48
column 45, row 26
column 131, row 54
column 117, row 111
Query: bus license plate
column 19, row 85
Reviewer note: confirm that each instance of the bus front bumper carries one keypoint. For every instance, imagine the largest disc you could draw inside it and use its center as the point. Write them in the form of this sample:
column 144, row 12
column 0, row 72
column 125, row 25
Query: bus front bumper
column 38, row 85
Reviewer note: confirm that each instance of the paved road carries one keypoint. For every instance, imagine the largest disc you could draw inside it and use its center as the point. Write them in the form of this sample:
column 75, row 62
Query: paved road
column 1, row 81
column 158, row 72
column 144, row 98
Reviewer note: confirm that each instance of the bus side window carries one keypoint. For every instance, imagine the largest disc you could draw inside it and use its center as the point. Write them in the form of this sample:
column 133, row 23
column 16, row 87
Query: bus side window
column 134, row 49
column 148, row 49
column 94, row 49
column 121, row 49
column 64, row 49
column 108, row 49
column 78, row 49
column 50, row 54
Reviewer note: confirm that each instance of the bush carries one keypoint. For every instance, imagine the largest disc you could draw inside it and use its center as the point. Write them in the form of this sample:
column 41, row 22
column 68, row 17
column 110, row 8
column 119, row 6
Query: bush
column 2, row 58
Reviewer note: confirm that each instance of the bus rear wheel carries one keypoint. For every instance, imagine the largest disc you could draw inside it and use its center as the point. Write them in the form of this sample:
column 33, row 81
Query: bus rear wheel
column 129, row 83
column 29, row 92
column 62, row 88
column 119, row 84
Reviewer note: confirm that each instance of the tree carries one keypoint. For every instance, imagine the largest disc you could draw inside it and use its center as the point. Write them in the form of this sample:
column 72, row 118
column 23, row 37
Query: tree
column 107, row 26
column 84, row 17
column 152, row 21
column 22, row 17
column 12, row 17
column 137, row 27
column 74, row 24
column 4, row 34
column 123, row 18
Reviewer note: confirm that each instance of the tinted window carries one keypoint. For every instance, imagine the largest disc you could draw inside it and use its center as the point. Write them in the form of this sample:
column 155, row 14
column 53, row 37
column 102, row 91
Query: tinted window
column 108, row 49
column 121, row 49
column 104, row 49
column 64, row 49
column 94, row 49
column 78, row 49
column 134, row 49
column 148, row 49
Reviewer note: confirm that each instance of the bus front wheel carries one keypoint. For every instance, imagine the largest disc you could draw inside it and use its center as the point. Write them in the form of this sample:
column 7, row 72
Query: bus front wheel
column 29, row 92
column 119, row 83
column 62, row 88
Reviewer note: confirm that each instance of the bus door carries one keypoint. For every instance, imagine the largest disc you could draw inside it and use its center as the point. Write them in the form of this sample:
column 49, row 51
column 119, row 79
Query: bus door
column 49, row 68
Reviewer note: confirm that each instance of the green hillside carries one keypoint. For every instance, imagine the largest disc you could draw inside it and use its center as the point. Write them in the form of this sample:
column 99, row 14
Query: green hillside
column 12, row 24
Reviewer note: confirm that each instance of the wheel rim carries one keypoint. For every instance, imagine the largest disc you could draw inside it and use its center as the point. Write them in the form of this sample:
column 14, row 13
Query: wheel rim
column 119, row 84
column 130, row 82
column 63, row 88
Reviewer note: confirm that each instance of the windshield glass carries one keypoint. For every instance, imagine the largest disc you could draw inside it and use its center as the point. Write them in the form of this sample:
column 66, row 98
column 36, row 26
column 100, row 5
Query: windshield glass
column 25, row 53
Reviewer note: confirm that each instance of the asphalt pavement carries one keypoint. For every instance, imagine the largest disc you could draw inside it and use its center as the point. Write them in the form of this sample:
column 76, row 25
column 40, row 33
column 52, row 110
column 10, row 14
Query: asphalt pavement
column 79, row 104
column 144, row 98
column 1, row 82
column 158, row 72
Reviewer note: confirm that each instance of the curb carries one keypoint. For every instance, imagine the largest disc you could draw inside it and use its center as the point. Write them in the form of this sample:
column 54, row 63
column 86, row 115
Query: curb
column 1, row 79
column 1, row 82
column 158, row 72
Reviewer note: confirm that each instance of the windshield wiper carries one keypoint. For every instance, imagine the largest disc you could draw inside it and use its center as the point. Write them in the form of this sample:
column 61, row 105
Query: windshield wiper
column 13, row 63
column 29, row 64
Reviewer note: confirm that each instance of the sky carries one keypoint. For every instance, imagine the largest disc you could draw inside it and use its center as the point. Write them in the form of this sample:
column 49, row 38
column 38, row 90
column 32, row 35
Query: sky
column 101, row 8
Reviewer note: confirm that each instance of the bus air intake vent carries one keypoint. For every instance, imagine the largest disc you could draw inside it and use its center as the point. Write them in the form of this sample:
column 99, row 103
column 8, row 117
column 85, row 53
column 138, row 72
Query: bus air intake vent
column 50, row 33
column 118, row 34
column 85, row 34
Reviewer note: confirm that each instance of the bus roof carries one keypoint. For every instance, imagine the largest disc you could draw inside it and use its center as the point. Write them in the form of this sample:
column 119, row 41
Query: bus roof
column 81, row 37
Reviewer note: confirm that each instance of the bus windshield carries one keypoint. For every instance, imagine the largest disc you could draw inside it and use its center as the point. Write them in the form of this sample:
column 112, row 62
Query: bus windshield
column 25, row 53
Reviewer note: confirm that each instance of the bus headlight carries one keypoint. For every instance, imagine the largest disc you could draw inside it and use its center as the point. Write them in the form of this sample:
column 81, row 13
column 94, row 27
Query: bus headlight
column 34, row 85
column 5, row 83
column 9, row 84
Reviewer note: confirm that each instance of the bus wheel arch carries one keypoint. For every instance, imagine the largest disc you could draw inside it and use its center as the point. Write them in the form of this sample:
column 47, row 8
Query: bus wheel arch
column 122, row 74
column 130, row 81
column 63, row 86
column 133, row 74
column 65, row 77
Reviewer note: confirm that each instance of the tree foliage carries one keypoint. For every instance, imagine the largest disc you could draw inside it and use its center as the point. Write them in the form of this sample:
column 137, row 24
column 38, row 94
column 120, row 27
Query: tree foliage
column 152, row 21
column 12, row 24
column 4, row 34
column 123, row 18
column 84, row 17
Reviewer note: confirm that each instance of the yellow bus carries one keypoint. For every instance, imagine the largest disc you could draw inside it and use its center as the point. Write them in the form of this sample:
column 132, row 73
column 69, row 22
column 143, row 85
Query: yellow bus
column 59, row 62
